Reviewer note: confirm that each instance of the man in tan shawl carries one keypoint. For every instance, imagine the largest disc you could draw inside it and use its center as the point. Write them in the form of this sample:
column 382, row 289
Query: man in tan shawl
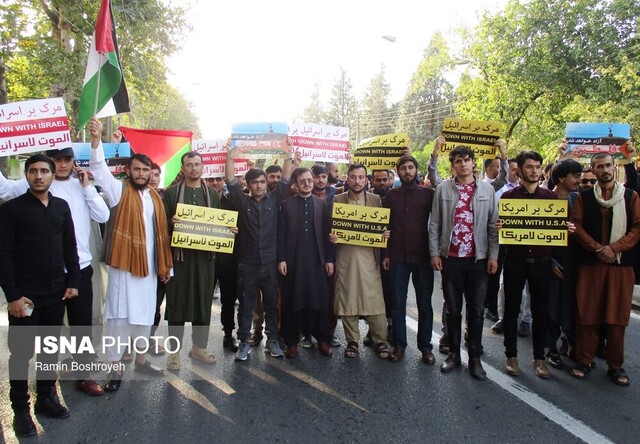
column 137, row 250
column 607, row 219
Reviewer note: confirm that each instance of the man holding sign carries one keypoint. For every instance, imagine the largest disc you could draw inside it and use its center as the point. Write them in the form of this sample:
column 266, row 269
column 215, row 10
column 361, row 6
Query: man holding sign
column 358, row 284
column 527, row 262
column 190, row 292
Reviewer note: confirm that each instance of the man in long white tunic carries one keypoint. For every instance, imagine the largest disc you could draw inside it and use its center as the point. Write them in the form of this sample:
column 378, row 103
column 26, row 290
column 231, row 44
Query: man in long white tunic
column 137, row 254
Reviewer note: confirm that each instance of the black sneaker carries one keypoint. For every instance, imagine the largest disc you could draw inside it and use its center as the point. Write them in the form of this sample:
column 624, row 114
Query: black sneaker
column 491, row 315
column 51, row 406
column 23, row 424
column 498, row 327
column 230, row 343
column 554, row 360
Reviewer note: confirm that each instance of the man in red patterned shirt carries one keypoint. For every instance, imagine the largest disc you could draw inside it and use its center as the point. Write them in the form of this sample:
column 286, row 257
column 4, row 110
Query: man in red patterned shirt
column 463, row 244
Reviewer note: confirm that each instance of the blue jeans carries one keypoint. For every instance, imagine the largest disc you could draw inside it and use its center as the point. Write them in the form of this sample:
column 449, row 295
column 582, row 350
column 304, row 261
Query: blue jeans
column 469, row 277
column 422, row 278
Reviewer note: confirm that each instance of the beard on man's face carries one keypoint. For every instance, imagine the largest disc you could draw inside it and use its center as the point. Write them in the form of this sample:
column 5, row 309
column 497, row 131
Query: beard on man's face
column 139, row 186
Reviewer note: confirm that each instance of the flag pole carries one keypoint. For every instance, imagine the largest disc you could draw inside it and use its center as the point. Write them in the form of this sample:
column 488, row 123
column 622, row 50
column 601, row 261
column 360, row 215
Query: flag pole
column 95, row 105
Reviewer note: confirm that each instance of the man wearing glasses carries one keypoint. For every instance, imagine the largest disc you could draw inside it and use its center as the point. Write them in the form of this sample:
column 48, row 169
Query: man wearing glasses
column 587, row 180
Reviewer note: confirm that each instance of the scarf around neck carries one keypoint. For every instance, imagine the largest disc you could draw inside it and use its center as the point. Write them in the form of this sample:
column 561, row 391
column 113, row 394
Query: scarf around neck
column 129, row 244
column 619, row 219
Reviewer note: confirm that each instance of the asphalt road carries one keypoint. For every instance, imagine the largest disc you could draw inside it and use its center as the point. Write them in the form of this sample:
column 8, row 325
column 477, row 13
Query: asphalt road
column 315, row 399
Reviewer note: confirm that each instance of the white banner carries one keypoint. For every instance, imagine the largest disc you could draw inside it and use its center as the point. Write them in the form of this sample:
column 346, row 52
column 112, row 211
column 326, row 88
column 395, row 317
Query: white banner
column 321, row 143
column 214, row 156
column 33, row 125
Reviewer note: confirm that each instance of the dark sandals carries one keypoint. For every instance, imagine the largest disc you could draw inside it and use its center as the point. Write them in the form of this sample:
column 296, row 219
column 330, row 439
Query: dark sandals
column 618, row 376
column 383, row 350
column 352, row 350
column 580, row 371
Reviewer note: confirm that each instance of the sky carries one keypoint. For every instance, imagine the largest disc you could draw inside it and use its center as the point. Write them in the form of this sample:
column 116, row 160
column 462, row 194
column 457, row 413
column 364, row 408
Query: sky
column 252, row 60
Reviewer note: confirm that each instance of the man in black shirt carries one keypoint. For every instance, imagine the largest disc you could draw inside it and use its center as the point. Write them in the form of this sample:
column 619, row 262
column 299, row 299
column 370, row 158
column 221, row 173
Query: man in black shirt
column 37, row 243
column 257, row 258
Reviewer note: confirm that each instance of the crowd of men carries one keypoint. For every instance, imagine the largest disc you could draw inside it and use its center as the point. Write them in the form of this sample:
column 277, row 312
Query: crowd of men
column 289, row 271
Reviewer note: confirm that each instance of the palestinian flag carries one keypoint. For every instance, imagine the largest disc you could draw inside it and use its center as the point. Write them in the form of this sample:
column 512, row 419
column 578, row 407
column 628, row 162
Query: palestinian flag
column 164, row 147
column 104, row 93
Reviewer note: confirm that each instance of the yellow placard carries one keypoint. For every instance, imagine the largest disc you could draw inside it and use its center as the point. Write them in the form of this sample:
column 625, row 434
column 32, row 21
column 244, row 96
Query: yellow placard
column 381, row 152
column 212, row 216
column 360, row 225
column 522, row 236
column 203, row 228
column 533, row 221
column 398, row 140
column 479, row 135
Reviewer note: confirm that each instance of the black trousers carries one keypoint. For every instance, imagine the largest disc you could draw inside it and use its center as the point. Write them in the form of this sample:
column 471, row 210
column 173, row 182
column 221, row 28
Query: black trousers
column 251, row 280
column 46, row 320
column 537, row 272
column 468, row 277
column 227, row 277
column 80, row 317
column 493, row 285
column 160, row 292
column 316, row 322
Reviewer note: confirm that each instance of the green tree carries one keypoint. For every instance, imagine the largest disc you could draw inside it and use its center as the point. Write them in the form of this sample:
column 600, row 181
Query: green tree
column 314, row 112
column 558, row 54
column 343, row 105
column 48, row 58
column 375, row 117
column 430, row 96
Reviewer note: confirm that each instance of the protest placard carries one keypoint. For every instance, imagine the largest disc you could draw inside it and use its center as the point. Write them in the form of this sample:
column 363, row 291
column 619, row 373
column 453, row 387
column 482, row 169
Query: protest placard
column 584, row 140
column 203, row 228
column 478, row 135
column 533, row 221
column 261, row 140
column 320, row 143
column 360, row 225
column 33, row 125
column 381, row 152
column 214, row 155
column 116, row 155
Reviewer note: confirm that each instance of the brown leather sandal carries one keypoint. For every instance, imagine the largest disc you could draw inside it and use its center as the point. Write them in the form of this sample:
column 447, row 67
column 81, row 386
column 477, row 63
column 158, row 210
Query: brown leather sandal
column 383, row 350
column 352, row 350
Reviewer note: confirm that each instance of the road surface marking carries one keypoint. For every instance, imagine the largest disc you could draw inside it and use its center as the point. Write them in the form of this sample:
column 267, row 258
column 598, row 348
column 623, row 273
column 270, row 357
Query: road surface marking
column 545, row 408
